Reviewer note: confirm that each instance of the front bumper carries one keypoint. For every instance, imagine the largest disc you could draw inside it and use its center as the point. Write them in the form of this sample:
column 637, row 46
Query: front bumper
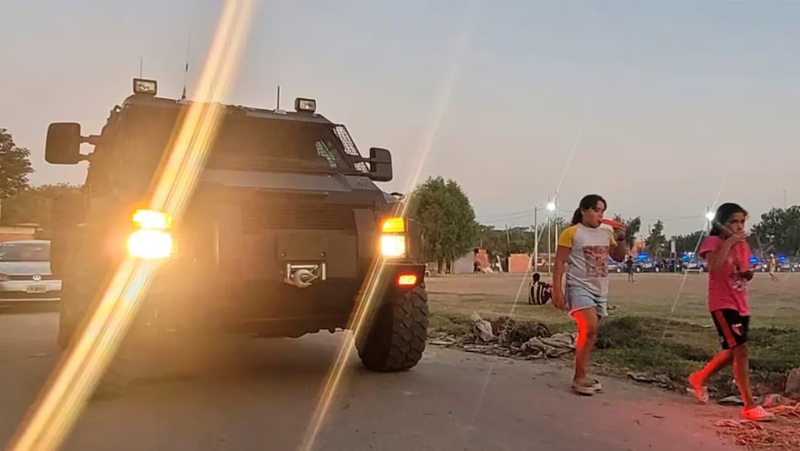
column 245, row 304
column 23, row 291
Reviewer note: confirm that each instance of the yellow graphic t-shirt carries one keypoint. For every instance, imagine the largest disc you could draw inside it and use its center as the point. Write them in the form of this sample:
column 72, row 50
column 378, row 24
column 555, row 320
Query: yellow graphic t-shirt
column 587, row 265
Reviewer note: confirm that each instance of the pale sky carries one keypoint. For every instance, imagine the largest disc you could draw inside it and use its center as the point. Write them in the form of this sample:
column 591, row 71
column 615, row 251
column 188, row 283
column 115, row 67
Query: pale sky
column 675, row 101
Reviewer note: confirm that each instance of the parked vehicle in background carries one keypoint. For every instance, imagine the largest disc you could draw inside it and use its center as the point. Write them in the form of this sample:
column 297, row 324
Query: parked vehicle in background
column 25, row 274
column 645, row 265
column 759, row 266
column 785, row 265
column 694, row 264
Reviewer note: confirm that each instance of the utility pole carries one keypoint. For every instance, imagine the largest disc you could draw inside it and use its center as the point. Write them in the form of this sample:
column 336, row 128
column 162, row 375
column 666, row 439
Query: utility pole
column 535, row 238
column 555, row 235
column 549, row 239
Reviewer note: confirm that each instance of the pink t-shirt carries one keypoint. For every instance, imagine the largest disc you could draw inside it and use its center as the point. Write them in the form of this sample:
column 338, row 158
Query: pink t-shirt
column 726, row 288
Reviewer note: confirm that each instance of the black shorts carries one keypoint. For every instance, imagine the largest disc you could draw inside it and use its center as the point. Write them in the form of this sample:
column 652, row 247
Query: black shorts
column 732, row 327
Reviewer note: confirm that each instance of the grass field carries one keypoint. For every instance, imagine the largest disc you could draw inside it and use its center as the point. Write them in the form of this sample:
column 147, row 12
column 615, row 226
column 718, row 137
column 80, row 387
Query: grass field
column 659, row 324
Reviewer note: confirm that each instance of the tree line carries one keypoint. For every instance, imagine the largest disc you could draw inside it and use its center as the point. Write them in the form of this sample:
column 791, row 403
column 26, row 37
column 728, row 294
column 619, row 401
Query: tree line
column 451, row 230
column 441, row 208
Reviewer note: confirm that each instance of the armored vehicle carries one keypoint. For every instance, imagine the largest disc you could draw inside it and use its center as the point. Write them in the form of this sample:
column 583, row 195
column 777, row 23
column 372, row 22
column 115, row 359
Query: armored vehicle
column 278, row 239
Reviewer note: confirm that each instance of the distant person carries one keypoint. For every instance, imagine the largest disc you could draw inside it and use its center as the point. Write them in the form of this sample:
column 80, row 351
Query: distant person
column 771, row 266
column 584, row 248
column 728, row 274
column 540, row 292
column 629, row 268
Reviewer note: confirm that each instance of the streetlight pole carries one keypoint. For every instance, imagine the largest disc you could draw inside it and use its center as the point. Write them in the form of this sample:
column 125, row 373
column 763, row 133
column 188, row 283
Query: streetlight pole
column 709, row 219
column 549, row 239
column 551, row 207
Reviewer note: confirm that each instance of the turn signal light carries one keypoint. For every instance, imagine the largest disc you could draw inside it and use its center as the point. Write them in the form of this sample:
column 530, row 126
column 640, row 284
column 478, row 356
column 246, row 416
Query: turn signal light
column 394, row 225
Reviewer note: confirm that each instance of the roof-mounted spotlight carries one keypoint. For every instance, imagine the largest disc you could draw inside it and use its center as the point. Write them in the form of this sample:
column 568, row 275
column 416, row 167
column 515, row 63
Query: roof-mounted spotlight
column 145, row 87
column 305, row 105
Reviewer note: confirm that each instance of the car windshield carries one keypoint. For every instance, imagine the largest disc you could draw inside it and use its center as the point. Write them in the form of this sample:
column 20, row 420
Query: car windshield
column 24, row 252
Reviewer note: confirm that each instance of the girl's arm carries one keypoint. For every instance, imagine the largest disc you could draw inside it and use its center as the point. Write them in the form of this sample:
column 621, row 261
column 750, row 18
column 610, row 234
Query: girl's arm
column 620, row 250
column 716, row 259
column 562, row 252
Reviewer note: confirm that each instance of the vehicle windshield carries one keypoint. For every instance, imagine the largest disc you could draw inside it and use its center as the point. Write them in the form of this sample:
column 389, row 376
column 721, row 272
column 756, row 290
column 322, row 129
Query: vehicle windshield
column 245, row 142
column 24, row 252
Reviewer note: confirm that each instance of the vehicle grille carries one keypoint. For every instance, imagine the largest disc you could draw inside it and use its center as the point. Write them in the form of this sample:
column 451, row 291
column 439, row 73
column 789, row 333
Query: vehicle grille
column 290, row 212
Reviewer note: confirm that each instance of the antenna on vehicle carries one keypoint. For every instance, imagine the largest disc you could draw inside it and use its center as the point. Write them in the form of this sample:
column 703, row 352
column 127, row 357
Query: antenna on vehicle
column 141, row 66
column 278, row 106
column 186, row 70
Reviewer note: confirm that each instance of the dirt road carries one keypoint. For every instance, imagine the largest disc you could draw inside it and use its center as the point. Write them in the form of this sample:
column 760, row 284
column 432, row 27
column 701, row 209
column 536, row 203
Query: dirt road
column 255, row 394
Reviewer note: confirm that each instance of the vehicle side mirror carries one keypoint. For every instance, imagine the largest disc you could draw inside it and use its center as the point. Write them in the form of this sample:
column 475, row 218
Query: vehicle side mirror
column 63, row 144
column 380, row 166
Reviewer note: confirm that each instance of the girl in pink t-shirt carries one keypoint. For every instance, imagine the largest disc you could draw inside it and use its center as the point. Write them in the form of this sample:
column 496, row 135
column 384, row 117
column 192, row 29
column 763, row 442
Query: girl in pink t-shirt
column 728, row 258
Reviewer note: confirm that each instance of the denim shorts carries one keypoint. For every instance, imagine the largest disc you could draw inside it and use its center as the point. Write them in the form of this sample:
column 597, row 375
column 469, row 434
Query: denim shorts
column 579, row 298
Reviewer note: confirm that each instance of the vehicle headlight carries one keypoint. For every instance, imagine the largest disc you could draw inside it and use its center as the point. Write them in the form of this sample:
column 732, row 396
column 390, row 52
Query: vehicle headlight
column 152, row 240
column 393, row 238
column 393, row 246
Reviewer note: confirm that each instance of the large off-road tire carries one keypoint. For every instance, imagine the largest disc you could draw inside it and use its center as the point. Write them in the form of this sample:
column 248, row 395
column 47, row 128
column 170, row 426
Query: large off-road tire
column 78, row 292
column 396, row 337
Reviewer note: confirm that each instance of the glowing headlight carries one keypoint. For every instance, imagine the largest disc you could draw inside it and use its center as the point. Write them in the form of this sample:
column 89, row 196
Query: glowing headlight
column 393, row 240
column 150, row 244
column 151, row 219
column 393, row 245
column 152, row 240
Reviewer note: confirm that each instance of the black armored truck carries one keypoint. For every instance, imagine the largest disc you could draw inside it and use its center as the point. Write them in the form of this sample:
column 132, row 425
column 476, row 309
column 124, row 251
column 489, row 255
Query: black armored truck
column 279, row 237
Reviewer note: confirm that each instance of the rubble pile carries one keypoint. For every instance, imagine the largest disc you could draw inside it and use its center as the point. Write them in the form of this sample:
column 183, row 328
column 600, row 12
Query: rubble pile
column 781, row 434
column 509, row 338
column 781, row 397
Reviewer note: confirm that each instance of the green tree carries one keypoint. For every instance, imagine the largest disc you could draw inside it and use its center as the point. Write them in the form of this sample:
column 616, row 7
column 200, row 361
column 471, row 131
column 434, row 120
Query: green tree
column 689, row 242
column 15, row 166
column 633, row 226
column 779, row 231
column 446, row 218
column 655, row 243
column 34, row 205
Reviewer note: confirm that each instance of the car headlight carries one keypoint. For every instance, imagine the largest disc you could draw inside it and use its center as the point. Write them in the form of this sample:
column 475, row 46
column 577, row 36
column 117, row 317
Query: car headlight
column 152, row 240
column 393, row 238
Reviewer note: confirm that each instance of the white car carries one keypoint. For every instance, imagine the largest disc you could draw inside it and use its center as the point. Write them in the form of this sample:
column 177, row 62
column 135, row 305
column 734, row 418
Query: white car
column 25, row 273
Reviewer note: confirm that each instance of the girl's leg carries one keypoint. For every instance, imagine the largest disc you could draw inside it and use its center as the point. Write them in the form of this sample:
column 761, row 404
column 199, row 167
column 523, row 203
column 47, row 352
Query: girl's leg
column 699, row 380
column 587, row 321
column 741, row 373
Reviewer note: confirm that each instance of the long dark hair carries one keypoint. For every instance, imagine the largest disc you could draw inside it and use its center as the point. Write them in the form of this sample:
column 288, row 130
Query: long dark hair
column 588, row 201
column 723, row 214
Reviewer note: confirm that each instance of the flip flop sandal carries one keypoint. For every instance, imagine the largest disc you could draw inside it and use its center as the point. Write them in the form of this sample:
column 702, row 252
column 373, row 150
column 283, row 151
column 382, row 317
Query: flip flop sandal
column 585, row 390
column 699, row 391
